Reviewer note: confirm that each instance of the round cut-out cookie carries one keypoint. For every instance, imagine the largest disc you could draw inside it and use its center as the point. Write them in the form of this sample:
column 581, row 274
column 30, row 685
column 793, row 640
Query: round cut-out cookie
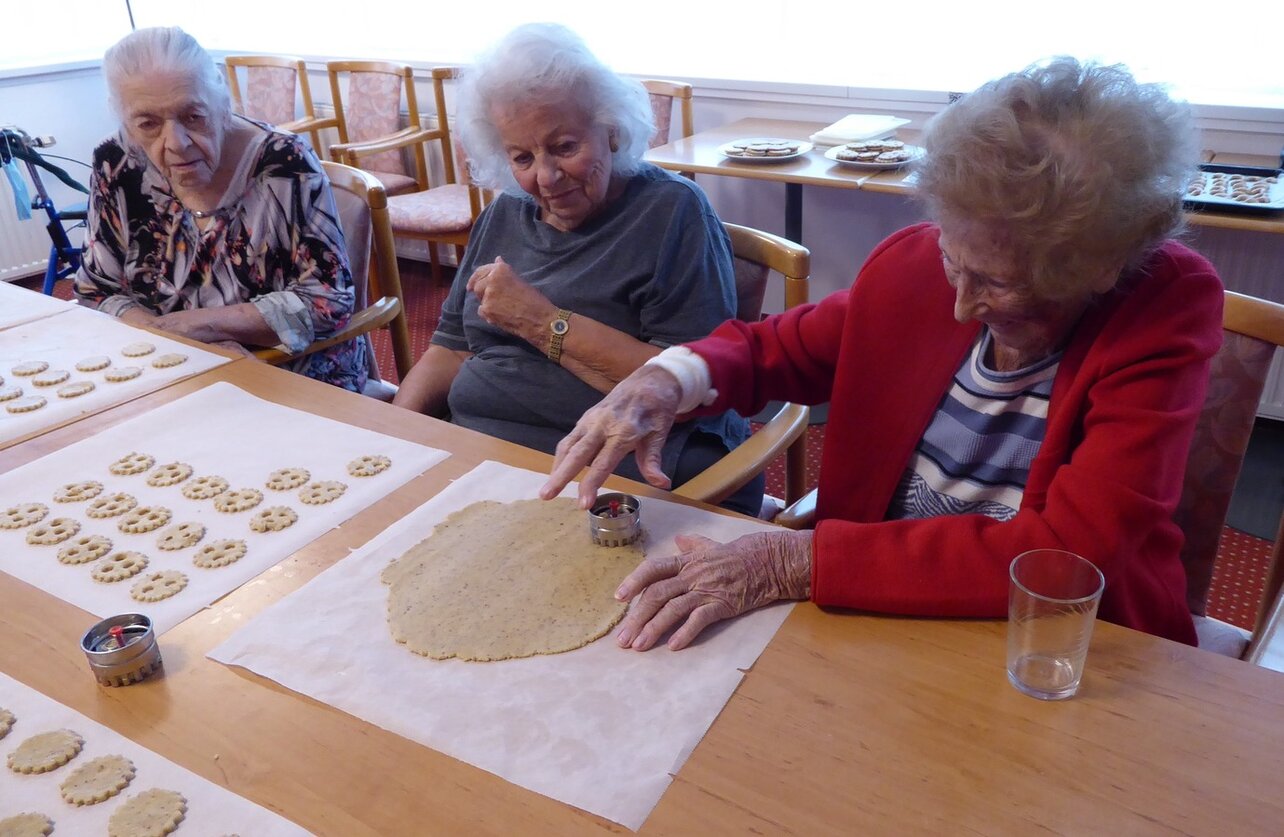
column 158, row 585
column 45, row 751
column 97, row 780
column 93, row 364
column 273, row 519
column 137, row 349
column 31, row 367
column 75, row 390
column 131, row 463
column 84, row 549
column 23, row 514
column 144, row 519
column 171, row 474
column 165, row 361
column 76, row 492
column 219, row 554
column 369, row 465
column 152, row 812
column 110, row 505
column 203, row 488
column 6, row 721
column 27, row 824
column 242, row 499
column 286, row 479
column 54, row 531
column 122, row 373
column 9, row 393
column 181, row 536
column 320, row 493
column 118, row 567
column 25, row 405
column 50, row 378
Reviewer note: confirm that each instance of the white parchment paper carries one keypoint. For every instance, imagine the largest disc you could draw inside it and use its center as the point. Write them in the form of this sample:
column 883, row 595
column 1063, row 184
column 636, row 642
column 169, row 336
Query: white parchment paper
column 211, row 810
column 219, row 430
column 20, row 305
column 71, row 337
column 600, row 728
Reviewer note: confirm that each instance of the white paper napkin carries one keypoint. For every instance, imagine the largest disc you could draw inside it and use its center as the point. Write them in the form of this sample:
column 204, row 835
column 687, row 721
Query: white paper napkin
column 858, row 126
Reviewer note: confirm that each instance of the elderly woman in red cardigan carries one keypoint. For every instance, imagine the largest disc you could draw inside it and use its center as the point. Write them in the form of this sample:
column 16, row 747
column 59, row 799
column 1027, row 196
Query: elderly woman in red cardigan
column 1024, row 371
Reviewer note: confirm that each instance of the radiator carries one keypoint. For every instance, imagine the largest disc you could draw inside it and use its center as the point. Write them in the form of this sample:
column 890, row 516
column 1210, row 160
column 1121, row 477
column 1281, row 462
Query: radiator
column 24, row 245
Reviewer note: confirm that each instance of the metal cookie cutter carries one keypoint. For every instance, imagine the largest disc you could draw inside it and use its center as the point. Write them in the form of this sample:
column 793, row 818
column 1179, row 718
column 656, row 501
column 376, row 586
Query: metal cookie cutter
column 614, row 520
column 122, row 649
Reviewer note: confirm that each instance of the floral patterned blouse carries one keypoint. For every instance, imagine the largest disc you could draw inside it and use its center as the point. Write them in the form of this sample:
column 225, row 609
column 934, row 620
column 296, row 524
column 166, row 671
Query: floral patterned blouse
column 275, row 241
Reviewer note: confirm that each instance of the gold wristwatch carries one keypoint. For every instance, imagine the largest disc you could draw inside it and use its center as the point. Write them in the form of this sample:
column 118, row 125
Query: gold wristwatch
column 559, row 327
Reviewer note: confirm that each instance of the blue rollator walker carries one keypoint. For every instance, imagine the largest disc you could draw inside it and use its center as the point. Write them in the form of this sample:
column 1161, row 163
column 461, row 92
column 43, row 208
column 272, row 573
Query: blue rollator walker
column 64, row 258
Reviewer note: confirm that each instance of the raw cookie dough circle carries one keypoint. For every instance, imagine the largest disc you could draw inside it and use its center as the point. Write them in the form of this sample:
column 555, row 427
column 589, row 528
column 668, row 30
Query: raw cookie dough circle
column 51, row 378
column 23, row 514
column 181, row 536
column 273, row 519
column 144, row 519
column 119, row 566
column 25, row 405
column 6, row 721
column 31, row 367
column 320, row 493
column 75, row 390
column 45, row 751
column 122, row 373
column 131, row 463
column 153, row 812
column 93, row 364
column 171, row 474
column 288, row 478
column 26, row 825
column 368, row 466
column 137, row 349
column 242, row 499
column 453, row 594
column 52, row 531
column 10, row 393
column 219, row 554
column 75, row 492
column 168, row 360
column 203, row 488
column 158, row 585
column 97, row 780
column 84, row 549
column 110, row 505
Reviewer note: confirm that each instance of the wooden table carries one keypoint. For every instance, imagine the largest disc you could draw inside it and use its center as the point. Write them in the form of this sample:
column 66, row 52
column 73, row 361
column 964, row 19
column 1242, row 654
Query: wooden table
column 699, row 153
column 847, row 724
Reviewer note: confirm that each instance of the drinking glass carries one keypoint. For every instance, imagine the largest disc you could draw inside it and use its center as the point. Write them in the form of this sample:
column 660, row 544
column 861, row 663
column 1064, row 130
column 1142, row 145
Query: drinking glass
column 1052, row 605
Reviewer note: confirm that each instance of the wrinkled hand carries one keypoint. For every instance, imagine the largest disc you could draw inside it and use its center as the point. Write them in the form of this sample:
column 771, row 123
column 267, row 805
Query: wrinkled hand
column 710, row 581
column 509, row 302
column 634, row 416
column 193, row 323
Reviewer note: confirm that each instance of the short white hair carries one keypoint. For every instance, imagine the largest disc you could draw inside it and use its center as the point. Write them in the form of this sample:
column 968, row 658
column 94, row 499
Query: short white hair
column 546, row 62
column 165, row 49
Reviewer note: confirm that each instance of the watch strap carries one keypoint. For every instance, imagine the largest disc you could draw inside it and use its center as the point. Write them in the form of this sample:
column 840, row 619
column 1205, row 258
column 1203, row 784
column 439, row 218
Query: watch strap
column 559, row 327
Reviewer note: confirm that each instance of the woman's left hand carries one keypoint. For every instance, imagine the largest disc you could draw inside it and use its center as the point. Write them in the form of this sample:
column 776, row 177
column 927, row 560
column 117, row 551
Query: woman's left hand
column 710, row 581
column 511, row 303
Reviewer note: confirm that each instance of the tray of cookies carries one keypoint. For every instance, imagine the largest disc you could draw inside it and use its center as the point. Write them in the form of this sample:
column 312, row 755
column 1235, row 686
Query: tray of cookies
column 874, row 154
column 763, row 149
column 1236, row 189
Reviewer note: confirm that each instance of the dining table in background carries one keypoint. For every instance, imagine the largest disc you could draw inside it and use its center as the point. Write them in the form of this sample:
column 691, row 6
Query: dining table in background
column 847, row 723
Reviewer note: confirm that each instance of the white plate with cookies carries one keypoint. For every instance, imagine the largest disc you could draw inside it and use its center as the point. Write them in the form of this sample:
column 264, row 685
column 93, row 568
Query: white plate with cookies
column 874, row 154
column 763, row 149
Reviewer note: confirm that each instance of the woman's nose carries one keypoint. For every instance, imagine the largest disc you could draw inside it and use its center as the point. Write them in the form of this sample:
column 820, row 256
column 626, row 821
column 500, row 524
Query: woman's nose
column 176, row 135
column 547, row 172
column 969, row 299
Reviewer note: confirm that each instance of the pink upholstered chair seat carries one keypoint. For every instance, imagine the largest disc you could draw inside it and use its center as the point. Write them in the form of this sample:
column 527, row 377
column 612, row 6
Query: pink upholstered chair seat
column 396, row 184
column 445, row 209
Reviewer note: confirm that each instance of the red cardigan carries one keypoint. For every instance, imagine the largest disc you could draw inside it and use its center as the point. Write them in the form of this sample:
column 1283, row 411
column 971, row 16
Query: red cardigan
column 1104, row 483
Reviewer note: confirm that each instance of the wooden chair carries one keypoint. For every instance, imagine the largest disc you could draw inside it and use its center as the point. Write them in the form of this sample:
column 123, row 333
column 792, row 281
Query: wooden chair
column 759, row 256
column 371, row 138
column 664, row 95
column 272, row 84
column 372, row 257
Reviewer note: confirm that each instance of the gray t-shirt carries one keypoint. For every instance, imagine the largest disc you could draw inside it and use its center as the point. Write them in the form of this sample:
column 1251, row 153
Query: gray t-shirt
column 655, row 264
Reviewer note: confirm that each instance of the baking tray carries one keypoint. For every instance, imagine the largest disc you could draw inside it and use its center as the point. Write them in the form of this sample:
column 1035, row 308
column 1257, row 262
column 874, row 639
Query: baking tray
column 1270, row 198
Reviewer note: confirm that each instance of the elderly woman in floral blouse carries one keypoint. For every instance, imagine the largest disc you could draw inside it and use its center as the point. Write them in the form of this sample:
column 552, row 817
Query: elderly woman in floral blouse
column 208, row 225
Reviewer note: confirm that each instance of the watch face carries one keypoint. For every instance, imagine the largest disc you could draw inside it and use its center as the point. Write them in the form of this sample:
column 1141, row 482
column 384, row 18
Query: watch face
column 560, row 326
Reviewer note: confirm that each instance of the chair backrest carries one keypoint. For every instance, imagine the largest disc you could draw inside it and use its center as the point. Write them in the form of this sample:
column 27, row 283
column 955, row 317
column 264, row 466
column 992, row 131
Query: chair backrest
column 757, row 255
column 664, row 95
column 370, row 108
column 1254, row 328
column 362, row 205
column 272, row 85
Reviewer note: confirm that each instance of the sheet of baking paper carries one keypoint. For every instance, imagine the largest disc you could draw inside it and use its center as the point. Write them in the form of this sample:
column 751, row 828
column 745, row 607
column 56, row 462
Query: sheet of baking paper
column 219, row 430
column 19, row 305
column 71, row 337
column 600, row 728
column 211, row 810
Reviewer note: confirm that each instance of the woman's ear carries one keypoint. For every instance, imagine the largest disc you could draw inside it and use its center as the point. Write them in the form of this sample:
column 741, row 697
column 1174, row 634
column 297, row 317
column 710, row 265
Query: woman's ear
column 613, row 141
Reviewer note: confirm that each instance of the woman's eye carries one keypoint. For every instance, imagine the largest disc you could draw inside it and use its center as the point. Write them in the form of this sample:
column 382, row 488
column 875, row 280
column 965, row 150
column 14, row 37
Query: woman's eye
column 195, row 119
column 520, row 160
column 565, row 149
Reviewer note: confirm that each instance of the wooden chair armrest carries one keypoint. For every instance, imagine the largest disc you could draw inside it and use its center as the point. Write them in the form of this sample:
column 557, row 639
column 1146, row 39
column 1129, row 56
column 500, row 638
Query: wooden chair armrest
column 316, row 123
column 722, row 479
column 801, row 515
column 393, row 142
column 376, row 315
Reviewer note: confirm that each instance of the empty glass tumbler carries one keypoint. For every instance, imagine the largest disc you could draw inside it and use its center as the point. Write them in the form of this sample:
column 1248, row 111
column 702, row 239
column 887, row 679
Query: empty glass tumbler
column 1052, row 605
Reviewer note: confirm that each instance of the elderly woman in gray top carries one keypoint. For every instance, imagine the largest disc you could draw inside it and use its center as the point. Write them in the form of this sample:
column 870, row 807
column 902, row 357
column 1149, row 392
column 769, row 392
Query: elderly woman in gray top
column 588, row 264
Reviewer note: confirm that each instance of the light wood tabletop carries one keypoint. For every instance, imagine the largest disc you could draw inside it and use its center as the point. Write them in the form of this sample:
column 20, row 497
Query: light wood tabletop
column 848, row 723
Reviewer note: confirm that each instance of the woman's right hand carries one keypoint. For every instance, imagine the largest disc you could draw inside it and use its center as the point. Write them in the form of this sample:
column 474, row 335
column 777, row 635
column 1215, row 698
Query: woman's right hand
column 635, row 416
